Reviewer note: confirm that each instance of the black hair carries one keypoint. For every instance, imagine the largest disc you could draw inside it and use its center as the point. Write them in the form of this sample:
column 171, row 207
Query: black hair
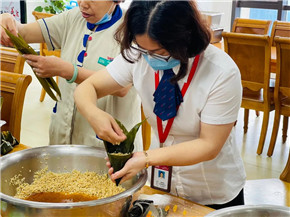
column 176, row 25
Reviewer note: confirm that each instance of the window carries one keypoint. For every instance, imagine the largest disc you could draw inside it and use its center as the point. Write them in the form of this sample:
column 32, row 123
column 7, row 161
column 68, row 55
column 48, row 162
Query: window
column 263, row 10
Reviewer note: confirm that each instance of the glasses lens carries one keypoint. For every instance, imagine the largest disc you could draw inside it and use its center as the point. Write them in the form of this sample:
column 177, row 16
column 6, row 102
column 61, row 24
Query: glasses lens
column 146, row 52
column 160, row 57
column 135, row 47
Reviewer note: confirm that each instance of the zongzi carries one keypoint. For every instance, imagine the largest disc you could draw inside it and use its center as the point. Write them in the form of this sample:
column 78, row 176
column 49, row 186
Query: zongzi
column 120, row 154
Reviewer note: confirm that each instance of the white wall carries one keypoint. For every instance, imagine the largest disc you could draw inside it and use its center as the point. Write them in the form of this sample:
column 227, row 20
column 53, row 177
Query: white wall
column 221, row 6
column 30, row 5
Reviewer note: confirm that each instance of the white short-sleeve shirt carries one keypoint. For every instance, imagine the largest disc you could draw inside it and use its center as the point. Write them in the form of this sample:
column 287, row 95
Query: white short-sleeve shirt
column 213, row 97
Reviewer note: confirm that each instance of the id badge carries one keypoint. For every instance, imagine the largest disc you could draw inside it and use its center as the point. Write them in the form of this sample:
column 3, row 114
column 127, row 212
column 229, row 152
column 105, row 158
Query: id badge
column 161, row 178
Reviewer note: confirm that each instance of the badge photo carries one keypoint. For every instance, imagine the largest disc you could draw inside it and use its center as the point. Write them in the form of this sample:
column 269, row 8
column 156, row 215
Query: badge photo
column 161, row 178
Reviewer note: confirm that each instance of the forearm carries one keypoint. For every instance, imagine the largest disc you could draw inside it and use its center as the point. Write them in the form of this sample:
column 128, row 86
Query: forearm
column 182, row 154
column 206, row 147
column 30, row 32
column 85, row 97
column 98, row 85
column 83, row 74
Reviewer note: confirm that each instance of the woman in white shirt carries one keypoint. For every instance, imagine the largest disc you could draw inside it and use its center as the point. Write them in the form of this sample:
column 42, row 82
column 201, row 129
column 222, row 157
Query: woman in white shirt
column 193, row 113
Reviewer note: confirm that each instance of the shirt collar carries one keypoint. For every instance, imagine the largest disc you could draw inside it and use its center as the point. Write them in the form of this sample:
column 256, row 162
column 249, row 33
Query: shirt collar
column 116, row 16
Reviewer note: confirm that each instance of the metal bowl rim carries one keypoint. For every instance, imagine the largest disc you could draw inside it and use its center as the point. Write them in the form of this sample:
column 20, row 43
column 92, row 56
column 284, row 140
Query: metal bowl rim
column 249, row 207
column 140, row 183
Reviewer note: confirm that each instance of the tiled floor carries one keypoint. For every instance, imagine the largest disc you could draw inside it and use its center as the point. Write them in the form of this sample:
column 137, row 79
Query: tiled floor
column 36, row 118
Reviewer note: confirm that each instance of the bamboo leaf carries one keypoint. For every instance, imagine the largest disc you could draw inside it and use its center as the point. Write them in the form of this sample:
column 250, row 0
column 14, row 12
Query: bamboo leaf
column 125, row 131
column 23, row 48
column 131, row 136
column 54, row 86
column 46, row 87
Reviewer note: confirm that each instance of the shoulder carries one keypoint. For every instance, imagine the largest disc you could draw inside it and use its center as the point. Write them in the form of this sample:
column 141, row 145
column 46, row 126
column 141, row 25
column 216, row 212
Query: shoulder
column 216, row 64
column 218, row 59
column 217, row 69
column 66, row 17
column 74, row 15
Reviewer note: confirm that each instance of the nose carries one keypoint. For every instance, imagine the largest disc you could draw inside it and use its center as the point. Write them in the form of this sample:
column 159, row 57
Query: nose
column 82, row 4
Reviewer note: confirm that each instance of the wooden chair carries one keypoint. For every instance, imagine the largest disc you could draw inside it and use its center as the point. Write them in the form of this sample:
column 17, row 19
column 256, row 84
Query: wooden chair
column 252, row 54
column 13, row 89
column 146, row 132
column 251, row 26
column 285, row 175
column 281, row 29
column 11, row 60
column 282, row 86
column 43, row 51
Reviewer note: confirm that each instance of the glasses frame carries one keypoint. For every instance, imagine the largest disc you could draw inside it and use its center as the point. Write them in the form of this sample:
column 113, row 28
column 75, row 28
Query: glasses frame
column 146, row 52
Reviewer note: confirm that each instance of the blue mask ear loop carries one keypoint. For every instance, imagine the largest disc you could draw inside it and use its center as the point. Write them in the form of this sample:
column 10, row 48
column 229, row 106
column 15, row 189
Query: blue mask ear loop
column 107, row 17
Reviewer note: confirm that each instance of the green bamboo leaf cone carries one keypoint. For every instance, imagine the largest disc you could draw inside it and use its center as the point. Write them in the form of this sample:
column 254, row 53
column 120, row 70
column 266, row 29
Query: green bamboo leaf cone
column 120, row 154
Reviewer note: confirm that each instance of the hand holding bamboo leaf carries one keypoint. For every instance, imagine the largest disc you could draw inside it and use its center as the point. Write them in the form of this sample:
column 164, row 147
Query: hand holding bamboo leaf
column 23, row 48
column 121, row 153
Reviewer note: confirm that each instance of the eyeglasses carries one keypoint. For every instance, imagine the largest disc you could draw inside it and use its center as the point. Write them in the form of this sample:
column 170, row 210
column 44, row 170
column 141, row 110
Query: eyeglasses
column 146, row 52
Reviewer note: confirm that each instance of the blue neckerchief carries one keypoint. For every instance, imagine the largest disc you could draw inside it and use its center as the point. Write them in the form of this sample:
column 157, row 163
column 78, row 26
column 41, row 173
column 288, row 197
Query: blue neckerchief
column 116, row 16
column 167, row 97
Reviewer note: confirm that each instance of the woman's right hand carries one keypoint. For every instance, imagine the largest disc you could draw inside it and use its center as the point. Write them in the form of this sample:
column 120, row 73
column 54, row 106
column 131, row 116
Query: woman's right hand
column 9, row 22
column 105, row 126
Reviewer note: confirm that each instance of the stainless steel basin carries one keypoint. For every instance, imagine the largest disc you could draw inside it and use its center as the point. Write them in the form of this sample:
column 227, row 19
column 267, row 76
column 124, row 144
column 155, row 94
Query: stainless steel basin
column 252, row 211
column 62, row 158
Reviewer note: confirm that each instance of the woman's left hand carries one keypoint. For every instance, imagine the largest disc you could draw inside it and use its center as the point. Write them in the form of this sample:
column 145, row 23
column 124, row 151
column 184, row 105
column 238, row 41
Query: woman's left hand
column 49, row 66
column 131, row 168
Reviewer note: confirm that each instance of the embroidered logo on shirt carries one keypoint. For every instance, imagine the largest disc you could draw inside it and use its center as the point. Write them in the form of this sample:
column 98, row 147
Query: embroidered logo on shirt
column 104, row 61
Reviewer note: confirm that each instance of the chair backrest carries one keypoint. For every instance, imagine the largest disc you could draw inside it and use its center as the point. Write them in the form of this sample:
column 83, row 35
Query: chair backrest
column 281, row 29
column 251, row 26
column 146, row 131
column 252, row 54
column 11, row 60
column 13, row 89
column 43, row 47
column 283, row 67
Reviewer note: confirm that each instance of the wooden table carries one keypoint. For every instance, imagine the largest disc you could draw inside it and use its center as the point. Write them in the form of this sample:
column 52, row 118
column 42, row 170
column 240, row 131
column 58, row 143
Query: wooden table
column 162, row 199
column 184, row 206
column 19, row 148
column 273, row 60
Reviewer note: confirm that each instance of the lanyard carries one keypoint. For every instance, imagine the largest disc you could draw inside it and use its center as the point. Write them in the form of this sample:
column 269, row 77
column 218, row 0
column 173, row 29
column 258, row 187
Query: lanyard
column 163, row 134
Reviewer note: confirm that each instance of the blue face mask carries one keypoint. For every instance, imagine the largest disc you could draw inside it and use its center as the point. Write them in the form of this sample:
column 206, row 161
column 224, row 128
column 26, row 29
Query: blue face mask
column 106, row 18
column 157, row 64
